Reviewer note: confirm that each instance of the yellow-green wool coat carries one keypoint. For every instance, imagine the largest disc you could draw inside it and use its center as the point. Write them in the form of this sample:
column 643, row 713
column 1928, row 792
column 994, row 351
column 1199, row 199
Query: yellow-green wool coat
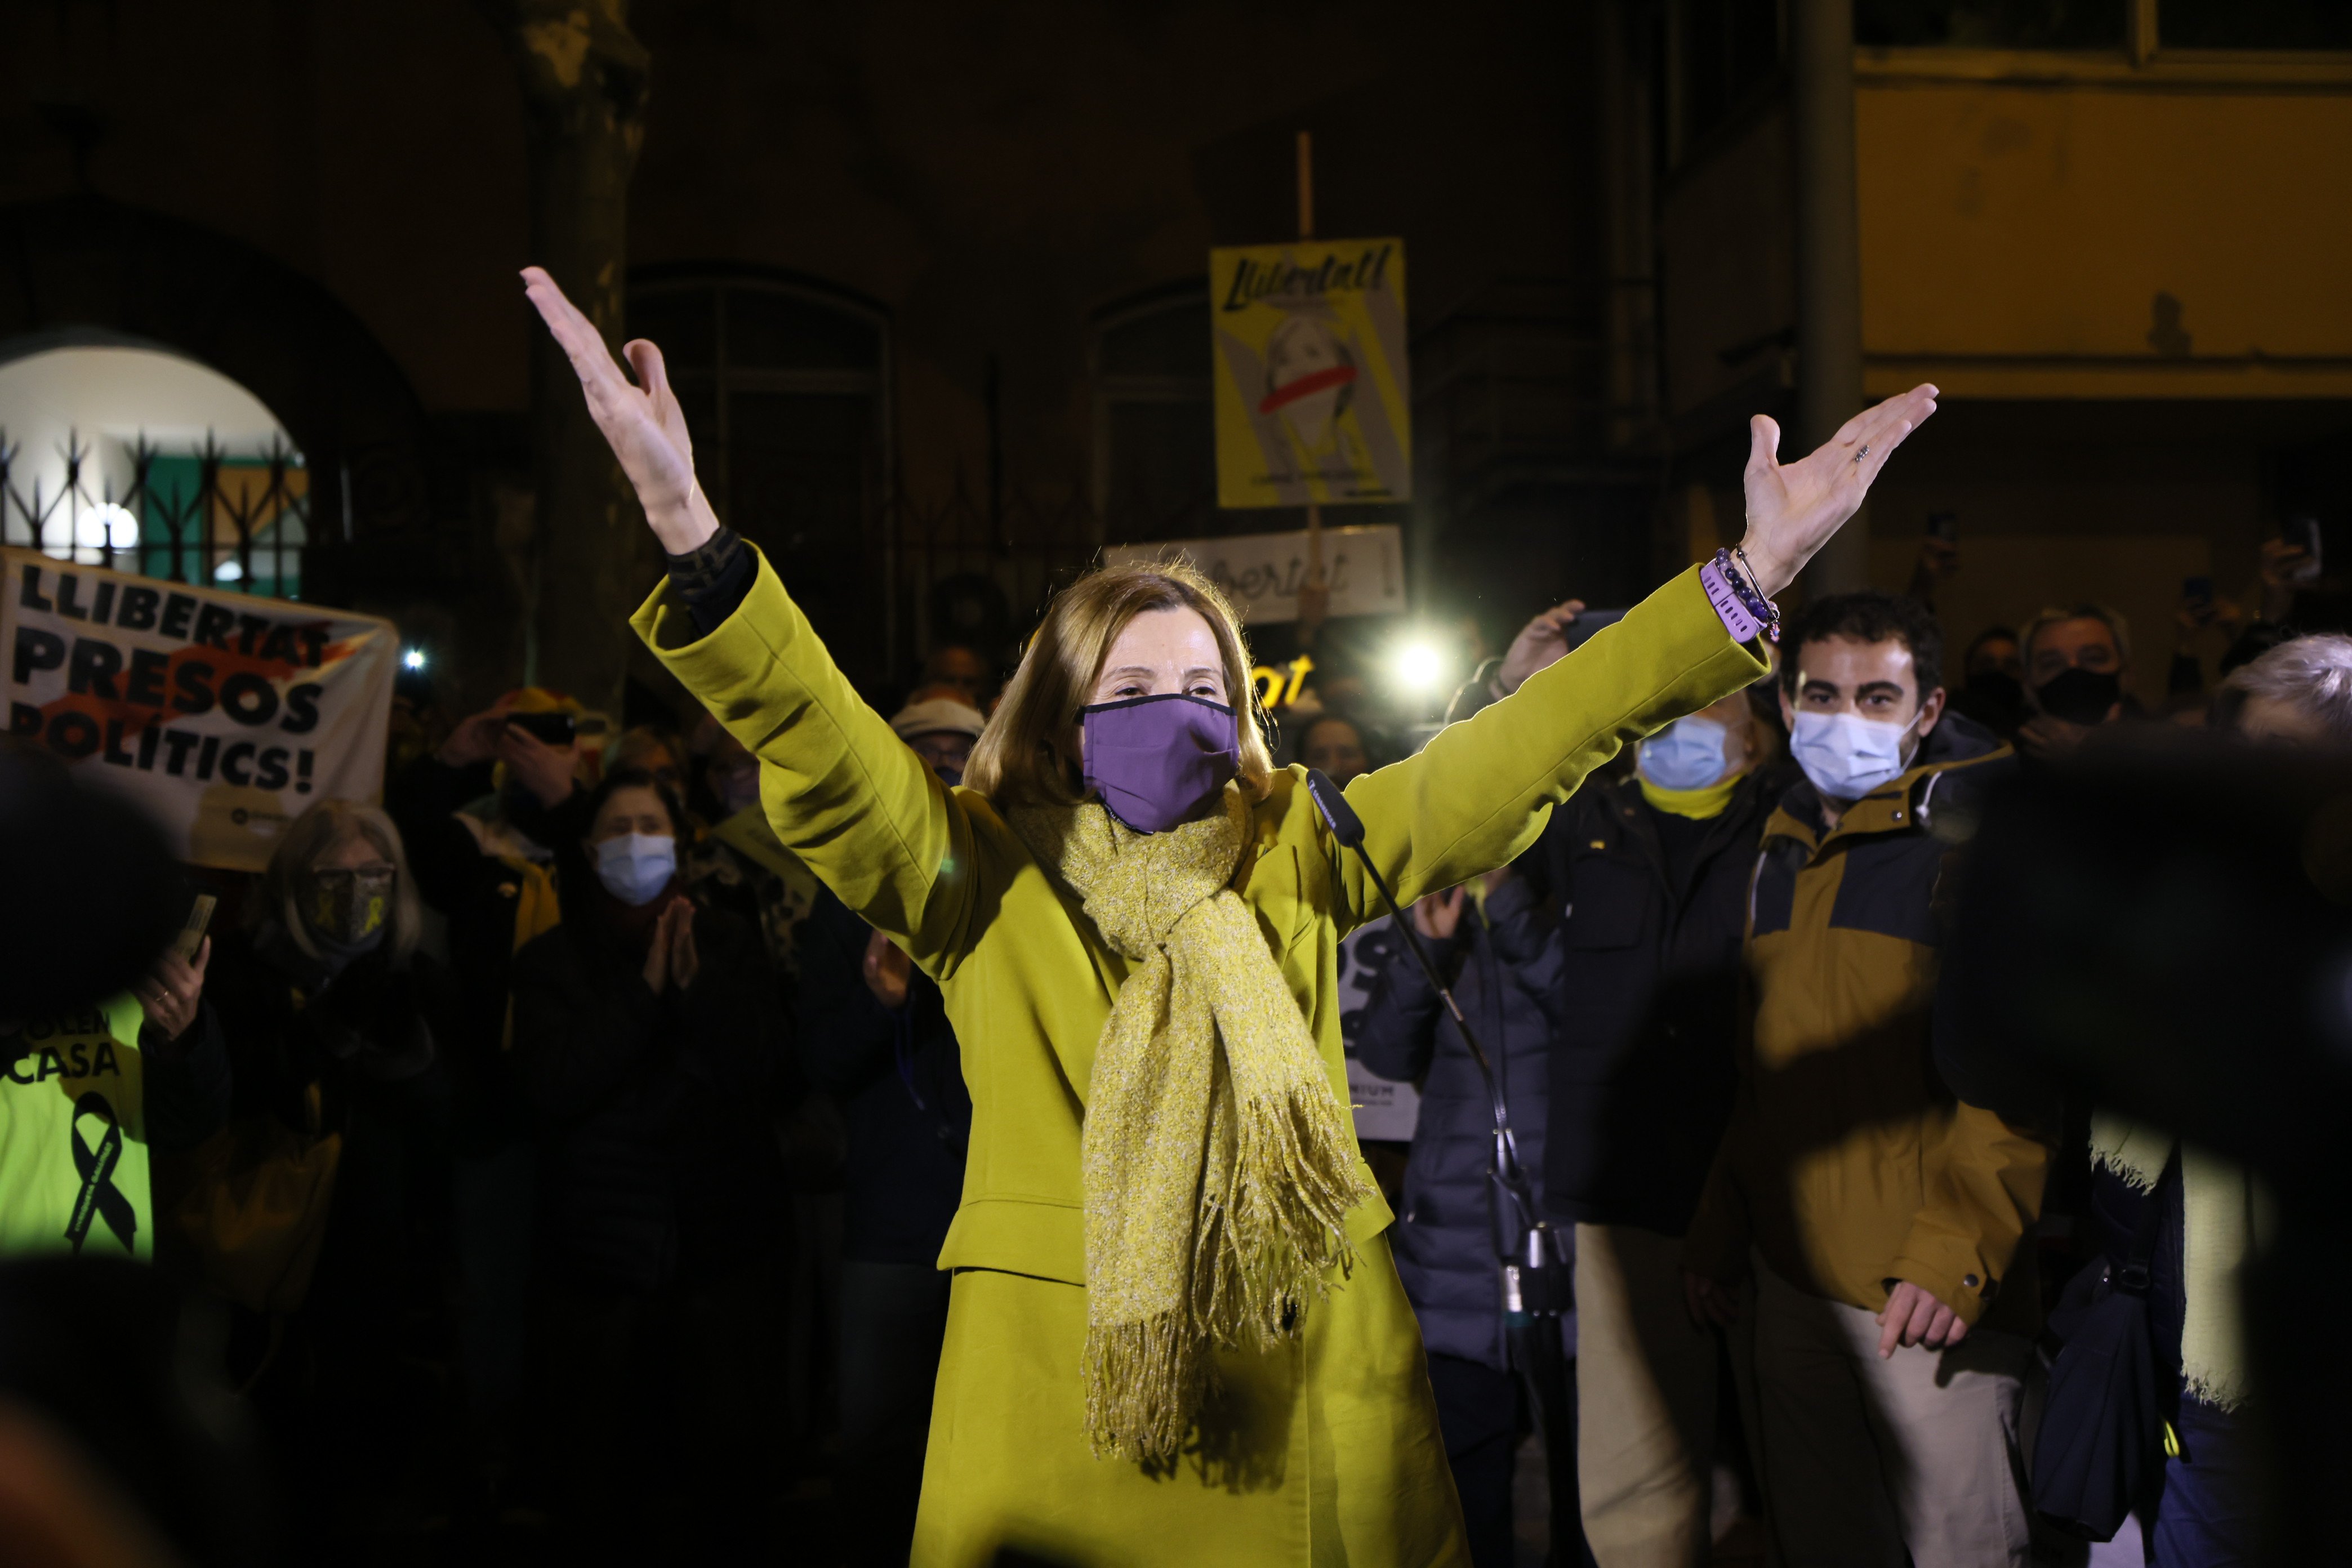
column 1325, row 1450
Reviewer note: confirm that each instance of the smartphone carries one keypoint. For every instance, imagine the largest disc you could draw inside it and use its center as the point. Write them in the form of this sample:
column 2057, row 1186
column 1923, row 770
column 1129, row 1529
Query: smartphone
column 1944, row 525
column 2196, row 593
column 192, row 932
column 548, row 729
column 2303, row 533
column 1579, row 630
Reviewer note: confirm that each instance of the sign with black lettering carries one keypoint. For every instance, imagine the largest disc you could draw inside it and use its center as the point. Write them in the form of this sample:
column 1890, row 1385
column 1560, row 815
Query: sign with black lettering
column 224, row 714
column 1261, row 573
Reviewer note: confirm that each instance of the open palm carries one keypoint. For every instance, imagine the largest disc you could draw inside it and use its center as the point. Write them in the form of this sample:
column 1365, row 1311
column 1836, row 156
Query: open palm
column 1794, row 508
column 642, row 420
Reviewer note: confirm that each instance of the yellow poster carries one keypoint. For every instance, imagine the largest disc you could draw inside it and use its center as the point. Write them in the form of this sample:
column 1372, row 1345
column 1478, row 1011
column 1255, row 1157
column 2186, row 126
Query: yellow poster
column 1314, row 396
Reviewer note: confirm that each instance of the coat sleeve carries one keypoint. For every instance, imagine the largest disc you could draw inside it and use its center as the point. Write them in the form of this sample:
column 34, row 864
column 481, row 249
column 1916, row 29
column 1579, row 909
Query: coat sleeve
column 423, row 801
column 732, row 1018
column 846, row 1034
column 1398, row 1032
column 187, row 1086
column 577, row 1040
column 1984, row 1192
column 1720, row 1231
column 841, row 791
column 1482, row 790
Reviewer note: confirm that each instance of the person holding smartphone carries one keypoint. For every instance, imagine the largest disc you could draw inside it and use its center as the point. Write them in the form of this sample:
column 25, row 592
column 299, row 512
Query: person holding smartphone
column 88, row 1092
column 482, row 819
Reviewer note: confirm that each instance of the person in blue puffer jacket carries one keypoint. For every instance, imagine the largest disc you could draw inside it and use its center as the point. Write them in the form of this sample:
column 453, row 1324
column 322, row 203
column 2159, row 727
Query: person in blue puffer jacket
column 1498, row 938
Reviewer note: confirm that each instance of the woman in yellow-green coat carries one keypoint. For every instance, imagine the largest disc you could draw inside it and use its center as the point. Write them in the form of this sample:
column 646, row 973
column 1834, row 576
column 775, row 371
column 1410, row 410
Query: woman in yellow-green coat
column 1175, row 1334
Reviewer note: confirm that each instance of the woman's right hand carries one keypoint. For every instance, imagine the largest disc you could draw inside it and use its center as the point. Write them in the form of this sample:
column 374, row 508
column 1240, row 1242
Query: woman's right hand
column 665, row 938
column 642, row 422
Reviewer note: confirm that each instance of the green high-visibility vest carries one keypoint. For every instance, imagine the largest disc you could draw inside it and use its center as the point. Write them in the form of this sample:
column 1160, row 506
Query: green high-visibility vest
column 73, row 1136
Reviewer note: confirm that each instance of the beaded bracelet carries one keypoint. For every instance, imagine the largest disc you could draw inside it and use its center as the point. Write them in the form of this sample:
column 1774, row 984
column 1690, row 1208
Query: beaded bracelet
column 1730, row 587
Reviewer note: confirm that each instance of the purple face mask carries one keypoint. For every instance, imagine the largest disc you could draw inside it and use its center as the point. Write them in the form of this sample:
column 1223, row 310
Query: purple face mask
column 1154, row 760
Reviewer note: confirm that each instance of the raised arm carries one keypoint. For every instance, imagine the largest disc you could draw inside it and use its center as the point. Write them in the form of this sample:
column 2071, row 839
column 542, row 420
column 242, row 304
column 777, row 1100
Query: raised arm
column 642, row 422
column 1481, row 791
column 841, row 791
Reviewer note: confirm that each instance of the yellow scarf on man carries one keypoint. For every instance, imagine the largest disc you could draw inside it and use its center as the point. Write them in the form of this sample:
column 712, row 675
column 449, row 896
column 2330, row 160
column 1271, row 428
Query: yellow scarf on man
column 1701, row 804
column 1217, row 1161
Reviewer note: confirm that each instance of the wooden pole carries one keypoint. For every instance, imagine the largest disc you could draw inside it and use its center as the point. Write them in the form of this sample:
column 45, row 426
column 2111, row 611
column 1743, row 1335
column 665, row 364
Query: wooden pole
column 1829, row 261
column 1307, row 184
column 1307, row 231
column 583, row 78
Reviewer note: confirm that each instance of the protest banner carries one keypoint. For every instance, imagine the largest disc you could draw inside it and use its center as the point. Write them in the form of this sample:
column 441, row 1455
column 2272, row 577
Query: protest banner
column 1261, row 573
column 1308, row 359
column 1383, row 1107
column 223, row 714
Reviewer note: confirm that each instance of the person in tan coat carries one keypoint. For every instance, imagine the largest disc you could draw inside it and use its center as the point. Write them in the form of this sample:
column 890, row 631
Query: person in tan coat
column 1882, row 1220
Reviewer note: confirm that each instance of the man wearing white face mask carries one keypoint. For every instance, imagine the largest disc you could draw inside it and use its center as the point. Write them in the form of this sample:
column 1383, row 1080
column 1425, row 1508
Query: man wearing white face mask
column 1882, row 1219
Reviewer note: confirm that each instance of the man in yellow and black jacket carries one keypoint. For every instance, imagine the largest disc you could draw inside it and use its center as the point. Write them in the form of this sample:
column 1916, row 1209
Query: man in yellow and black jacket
column 1883, row 1220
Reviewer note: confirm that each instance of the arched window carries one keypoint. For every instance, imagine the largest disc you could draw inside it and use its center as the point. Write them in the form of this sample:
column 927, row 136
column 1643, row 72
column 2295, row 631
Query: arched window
column 1155, row 429
column 786, row 387
column 118, row 453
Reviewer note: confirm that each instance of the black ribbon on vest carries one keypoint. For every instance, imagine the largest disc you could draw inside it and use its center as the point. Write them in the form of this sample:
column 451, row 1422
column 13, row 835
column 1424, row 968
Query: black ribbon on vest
column 98, row 1194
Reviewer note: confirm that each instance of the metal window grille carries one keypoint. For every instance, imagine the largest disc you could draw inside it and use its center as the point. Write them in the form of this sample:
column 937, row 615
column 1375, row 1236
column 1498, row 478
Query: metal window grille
column 1038, row 540
column 204, row 515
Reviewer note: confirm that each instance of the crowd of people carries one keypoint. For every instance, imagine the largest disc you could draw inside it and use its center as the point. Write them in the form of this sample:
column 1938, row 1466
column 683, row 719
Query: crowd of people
column 558, row 1151
column 546, row 1155
column 1816, row 1279
column 601, row 1122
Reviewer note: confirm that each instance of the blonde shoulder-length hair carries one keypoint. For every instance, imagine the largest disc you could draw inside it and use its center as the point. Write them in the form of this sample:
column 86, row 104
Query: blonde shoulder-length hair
column 326, row 823
column 1018, row 760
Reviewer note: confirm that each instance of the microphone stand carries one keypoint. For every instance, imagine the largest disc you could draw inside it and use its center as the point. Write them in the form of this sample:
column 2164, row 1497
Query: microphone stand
column 1537, row 1284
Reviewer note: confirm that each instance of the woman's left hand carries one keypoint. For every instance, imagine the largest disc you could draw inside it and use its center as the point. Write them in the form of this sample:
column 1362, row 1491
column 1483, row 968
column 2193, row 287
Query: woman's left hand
column 887, row 971
column 1439, row 915
column 173, row 993
column 1794, row 508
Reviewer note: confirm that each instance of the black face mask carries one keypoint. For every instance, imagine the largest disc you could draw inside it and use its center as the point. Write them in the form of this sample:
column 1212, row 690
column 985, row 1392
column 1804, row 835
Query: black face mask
column 2080, row 696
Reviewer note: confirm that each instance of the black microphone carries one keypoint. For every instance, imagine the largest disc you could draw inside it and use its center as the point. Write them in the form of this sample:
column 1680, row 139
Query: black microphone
column 1536, row 1282
column 1338, row 815
column 1349, row 829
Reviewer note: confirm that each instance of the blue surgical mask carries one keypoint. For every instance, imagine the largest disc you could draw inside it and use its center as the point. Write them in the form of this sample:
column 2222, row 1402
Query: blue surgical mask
column 1846, row 755
column 1694, row 752
column 636, row 867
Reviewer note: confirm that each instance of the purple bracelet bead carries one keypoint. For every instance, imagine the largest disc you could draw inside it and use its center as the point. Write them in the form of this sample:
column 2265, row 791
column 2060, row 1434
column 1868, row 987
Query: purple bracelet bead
column 1737, row 620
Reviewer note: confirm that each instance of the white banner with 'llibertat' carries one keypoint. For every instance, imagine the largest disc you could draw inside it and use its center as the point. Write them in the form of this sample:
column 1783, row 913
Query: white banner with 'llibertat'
column 224, row 714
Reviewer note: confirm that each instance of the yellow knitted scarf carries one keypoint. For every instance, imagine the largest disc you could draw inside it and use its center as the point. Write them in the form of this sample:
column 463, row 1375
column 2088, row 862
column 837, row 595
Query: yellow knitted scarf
column 1216, row 1160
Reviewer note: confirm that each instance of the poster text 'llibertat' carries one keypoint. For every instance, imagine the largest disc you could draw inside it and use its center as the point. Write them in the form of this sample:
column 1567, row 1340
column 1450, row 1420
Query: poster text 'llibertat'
column 1254, row 280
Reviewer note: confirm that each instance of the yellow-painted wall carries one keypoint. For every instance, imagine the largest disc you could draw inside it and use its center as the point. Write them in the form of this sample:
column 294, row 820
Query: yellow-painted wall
column 2169, row 233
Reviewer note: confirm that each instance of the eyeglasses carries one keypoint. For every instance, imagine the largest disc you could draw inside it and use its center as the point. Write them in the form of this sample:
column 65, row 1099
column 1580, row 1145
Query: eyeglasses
column 370, row 878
